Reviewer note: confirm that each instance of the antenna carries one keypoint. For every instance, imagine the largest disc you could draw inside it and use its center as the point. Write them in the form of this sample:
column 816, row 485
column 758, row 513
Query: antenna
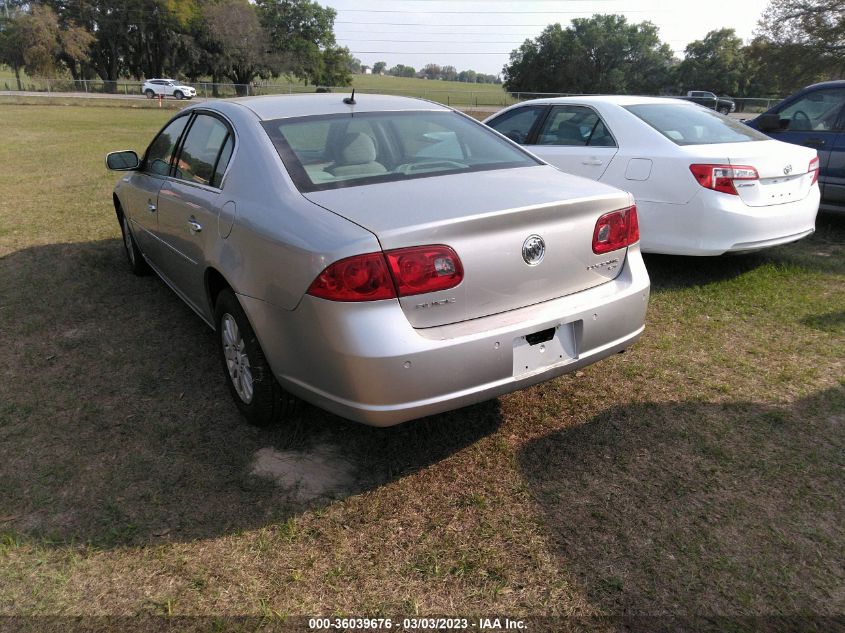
column 350, row 100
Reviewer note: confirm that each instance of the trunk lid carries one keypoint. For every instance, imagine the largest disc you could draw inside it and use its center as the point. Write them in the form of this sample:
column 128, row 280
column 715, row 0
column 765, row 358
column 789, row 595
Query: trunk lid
column 782, row 167
column 486, row 217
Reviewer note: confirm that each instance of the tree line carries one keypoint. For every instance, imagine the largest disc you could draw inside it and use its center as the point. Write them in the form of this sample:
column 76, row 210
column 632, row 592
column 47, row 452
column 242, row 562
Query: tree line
column 233, row 41
column 435, row 71
column 797, row 42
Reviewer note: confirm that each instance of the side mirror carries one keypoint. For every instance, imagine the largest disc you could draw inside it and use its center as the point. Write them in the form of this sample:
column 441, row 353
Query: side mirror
column 768, row 122
column 127, row 160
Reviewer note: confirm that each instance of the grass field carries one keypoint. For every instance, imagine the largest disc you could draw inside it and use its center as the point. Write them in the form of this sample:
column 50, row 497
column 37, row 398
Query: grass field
column 700, row 474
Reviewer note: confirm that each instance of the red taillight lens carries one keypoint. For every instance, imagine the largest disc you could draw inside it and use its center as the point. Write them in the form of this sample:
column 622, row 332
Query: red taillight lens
column 357, row 278
column 721, row 177
column 814, row 169
column 415, row 270
column 616, row 230
column 422, row 269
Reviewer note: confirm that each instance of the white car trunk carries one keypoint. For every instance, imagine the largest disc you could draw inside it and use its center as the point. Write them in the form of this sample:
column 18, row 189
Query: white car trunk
column 486, row 217
column 783, row 169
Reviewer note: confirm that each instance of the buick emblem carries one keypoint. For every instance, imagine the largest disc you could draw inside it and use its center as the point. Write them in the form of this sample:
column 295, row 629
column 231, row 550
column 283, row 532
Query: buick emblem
column 787, row 169
column 533, row 250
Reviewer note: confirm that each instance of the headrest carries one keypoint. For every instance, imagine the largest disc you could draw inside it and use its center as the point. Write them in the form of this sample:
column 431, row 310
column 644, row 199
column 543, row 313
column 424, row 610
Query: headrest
column 357, row 149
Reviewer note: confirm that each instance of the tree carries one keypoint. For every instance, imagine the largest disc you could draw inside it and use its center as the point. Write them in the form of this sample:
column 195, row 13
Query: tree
column 353, row 65
column 400, row 70
column 715, row 63
column 431, row 71
column 817, row 24
column 602, row 54
column 379, row 67
column 12, row 47
column 234, row 29
column 468, row 76
column 35, row 41
column 798, row 42
column 448, row 73
column 299, row 31
column 334, row 67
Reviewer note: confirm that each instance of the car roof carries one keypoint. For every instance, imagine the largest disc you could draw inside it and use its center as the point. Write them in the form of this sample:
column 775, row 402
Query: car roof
column 287, row 106
column 835, row 83
column 620, row 100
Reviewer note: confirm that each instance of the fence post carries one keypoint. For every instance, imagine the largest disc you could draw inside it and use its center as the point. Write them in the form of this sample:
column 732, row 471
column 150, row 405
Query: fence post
column 85, row 83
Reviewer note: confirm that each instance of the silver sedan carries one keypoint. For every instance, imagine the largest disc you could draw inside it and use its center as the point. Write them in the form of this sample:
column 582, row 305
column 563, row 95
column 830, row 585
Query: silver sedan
column 384, row 258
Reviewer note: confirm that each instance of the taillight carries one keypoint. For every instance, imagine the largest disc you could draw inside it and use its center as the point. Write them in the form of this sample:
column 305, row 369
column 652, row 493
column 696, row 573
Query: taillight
column 814, row 169
column 422, row 269
column 357, row 278
column 616, row 230
column 721, row 177
column 400, row 272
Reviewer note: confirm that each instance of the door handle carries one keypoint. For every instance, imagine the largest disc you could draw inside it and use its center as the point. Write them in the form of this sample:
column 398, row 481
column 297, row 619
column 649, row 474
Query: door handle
column 592, row 161
column 150, row 206
column 195, row 227
column 814, row 142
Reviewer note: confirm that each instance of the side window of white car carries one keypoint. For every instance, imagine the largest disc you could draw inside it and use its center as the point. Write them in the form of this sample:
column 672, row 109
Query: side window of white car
column 817, row 110
column 516, row 124
column 575, row 125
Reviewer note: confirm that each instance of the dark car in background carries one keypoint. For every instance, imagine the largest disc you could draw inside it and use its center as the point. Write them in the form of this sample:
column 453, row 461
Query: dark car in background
column 814, row 117
column 723, row 105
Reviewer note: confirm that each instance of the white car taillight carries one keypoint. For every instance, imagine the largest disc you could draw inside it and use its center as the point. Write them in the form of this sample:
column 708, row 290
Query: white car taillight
column 814, row 169
column 721, row 177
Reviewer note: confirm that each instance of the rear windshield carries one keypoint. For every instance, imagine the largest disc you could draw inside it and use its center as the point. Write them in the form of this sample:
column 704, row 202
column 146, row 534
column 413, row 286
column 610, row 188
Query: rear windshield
column 692, row 125
column 345, row 150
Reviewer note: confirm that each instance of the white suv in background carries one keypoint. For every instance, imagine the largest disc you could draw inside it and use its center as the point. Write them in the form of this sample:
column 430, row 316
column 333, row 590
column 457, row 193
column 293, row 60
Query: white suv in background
column 167, row 87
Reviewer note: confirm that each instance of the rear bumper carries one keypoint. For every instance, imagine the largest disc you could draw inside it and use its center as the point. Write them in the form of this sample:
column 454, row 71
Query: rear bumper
column 365, row 362
column 714, row 223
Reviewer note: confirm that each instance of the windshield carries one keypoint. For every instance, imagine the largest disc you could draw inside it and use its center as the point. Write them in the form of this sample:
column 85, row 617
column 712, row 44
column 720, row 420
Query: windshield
column 346, row 150
column 691, row 125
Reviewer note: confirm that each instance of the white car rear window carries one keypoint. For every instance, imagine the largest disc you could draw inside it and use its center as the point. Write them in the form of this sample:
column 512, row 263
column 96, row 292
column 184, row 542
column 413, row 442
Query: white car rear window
column 690, row 125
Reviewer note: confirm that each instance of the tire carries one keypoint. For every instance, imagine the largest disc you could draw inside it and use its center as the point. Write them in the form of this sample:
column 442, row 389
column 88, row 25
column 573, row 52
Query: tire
column 178, row 94
column 137, row 264
column 725, row 110
column 256, row 392
column 149, row 93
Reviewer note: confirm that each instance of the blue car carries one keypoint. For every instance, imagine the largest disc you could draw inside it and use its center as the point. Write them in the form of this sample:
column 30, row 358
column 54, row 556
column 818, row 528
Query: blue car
column 814, row 117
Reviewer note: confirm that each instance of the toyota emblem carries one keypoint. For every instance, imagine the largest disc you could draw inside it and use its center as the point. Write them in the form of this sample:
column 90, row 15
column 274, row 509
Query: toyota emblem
column 533, row 250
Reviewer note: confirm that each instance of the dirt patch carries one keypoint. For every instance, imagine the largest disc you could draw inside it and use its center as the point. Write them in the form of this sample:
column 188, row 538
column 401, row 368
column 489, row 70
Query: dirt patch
column 308, row 475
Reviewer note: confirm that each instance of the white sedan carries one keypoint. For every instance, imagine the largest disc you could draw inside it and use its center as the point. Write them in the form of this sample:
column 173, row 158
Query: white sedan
column 704, row 184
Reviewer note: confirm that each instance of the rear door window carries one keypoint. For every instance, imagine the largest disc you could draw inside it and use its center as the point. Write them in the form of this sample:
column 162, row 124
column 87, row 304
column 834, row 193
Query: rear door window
column 574, row 125
column 201, row 150
column 517, row 124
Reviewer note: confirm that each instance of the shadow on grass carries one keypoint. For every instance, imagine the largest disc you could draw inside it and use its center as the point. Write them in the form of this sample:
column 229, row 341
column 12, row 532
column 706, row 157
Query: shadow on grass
column 697, row 508
column 116, row 427
column 824, row 251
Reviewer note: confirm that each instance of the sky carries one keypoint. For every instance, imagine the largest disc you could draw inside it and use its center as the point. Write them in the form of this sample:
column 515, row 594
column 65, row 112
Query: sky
column 480, row 34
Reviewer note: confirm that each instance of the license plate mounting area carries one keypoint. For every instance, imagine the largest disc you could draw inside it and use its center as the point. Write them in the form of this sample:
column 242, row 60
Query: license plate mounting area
column 543, row 349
